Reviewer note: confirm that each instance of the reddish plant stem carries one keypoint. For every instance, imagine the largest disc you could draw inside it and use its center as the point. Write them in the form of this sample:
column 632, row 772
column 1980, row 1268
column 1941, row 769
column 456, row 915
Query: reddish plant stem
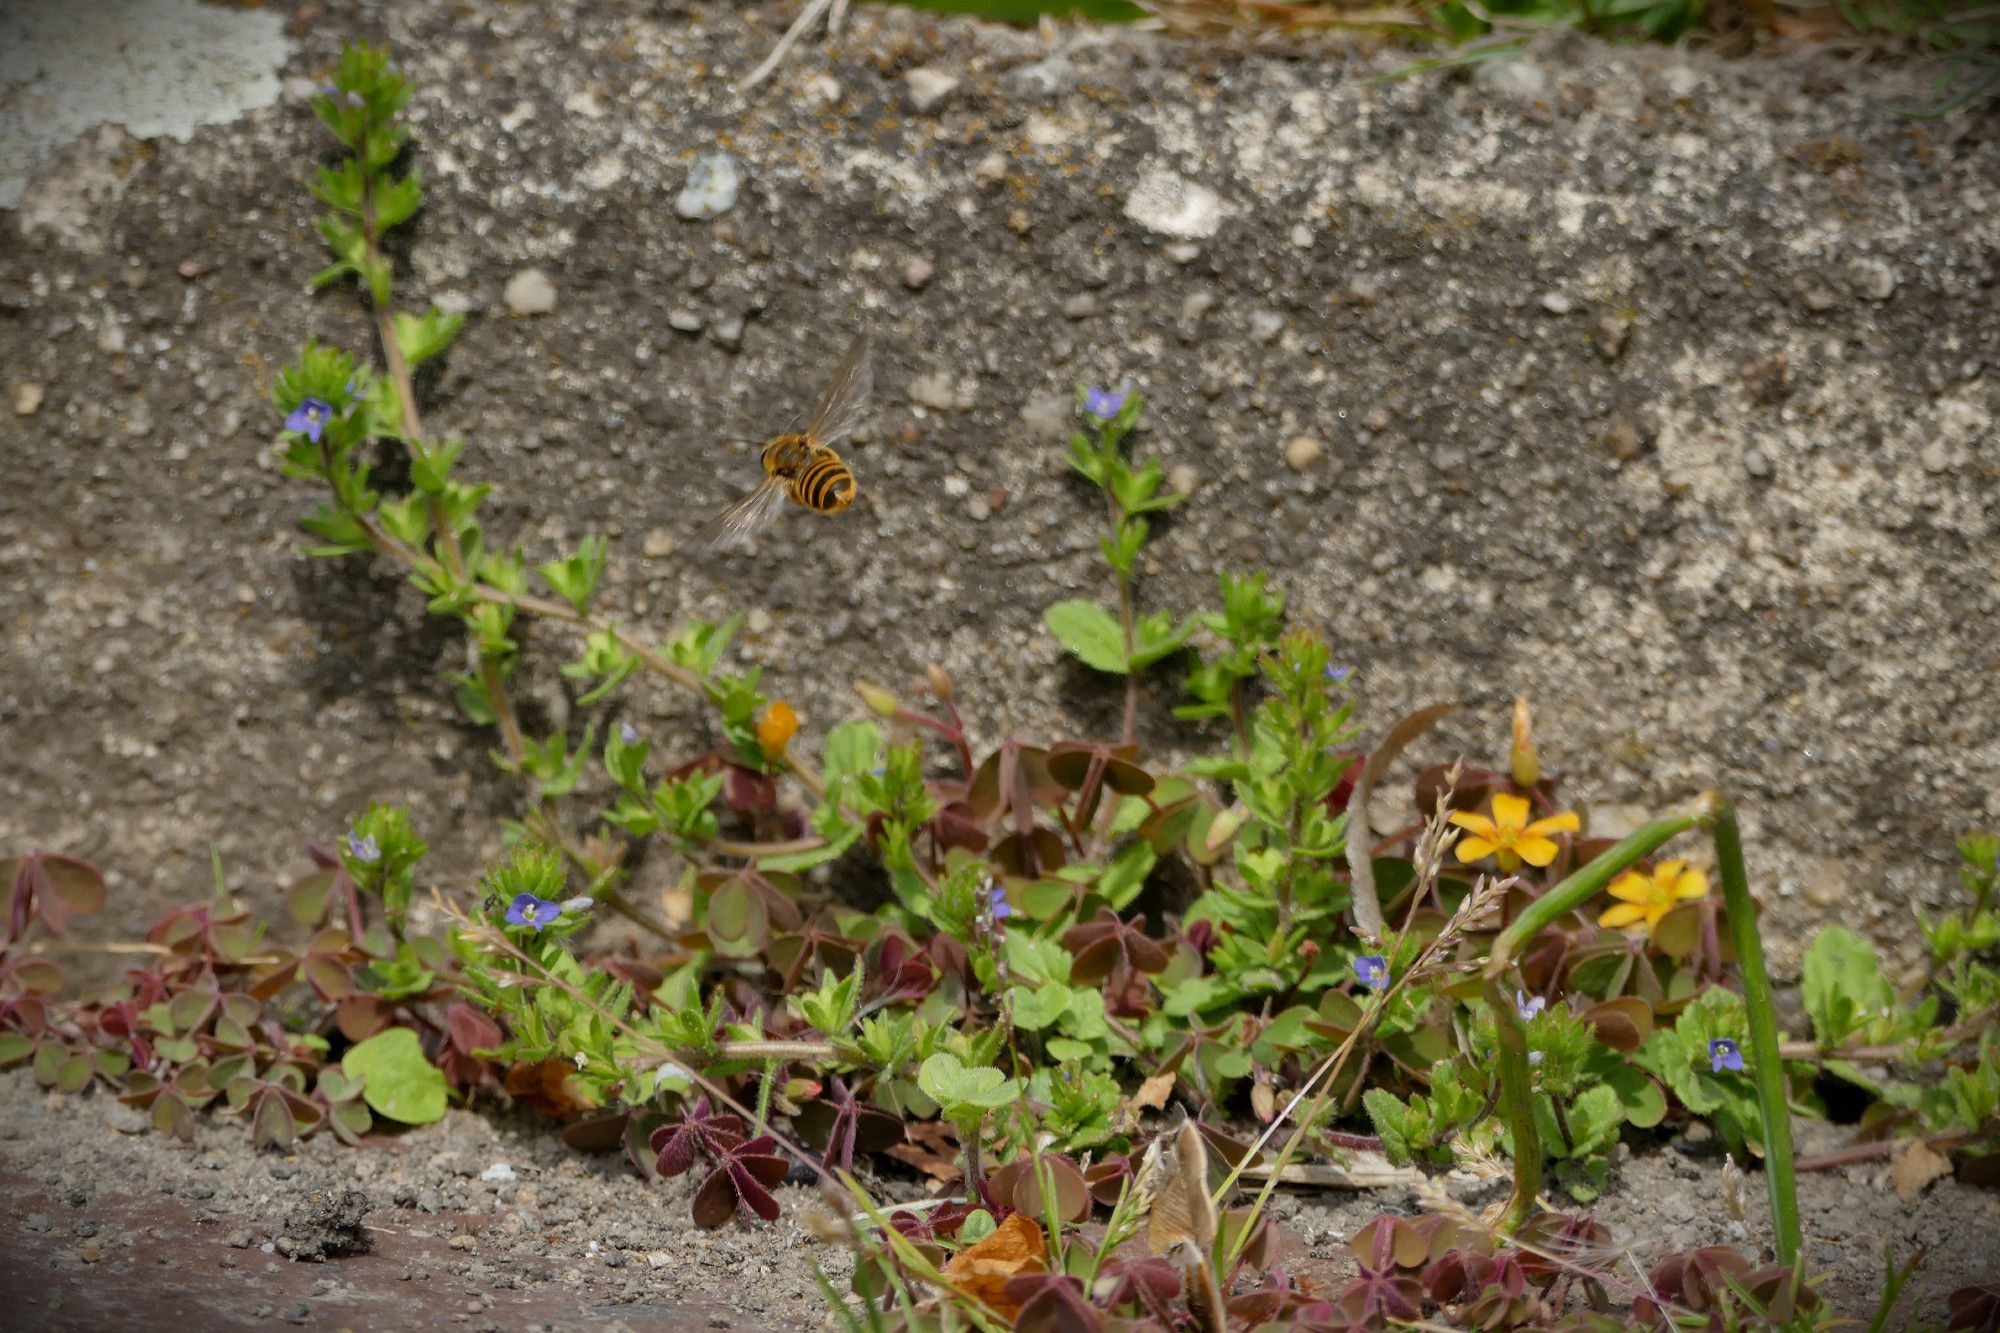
column 1870, row 1152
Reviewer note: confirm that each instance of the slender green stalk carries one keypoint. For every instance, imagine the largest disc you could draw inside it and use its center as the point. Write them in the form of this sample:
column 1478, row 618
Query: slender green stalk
column 1517, row 1108
column 1767, row 1069
column 1580, row 887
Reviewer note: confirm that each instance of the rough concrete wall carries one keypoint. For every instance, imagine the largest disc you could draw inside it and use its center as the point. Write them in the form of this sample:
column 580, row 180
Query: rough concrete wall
column 1528, row 320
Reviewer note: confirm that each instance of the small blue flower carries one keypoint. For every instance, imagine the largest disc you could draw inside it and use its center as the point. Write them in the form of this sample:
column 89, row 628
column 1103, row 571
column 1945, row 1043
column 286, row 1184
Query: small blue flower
column 1534, row 1057
column 310, row 417
column 1724, row 1054
column 363, row 849
column 1336, row 674
column 528, row 910
column 1372, row 970
column 628, row 733
column 1002, row 909
column 1529, row 1007
column 1103, row 404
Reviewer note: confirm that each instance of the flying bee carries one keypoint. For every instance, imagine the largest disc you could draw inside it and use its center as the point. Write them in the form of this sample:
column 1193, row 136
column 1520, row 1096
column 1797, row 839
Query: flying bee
column 803, row 467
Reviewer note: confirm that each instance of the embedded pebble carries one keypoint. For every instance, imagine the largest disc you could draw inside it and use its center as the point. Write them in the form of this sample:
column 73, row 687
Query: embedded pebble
column 684, row 321
column 657, row 544
column 499, row 1171
column 1049, row 417
column 1301, row 452
column 940, row 392
column 1514, row 78
column 1172, row 205
column 1556, row 303
column 917, row 273
column 928, row 87
column 27, row 399
column 1081, row 306
column 1045, row 78
column 1609, row 332
column 1873, row 278
column 991, row 169
column 530, row 292
column 711, row 188
column 1183, row 478
column 1756, row 464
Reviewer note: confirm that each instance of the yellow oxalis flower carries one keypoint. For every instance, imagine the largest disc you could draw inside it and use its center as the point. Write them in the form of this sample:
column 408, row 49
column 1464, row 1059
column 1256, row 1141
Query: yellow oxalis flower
column 1648, row 898
column 1508, row 837
column 776, row 729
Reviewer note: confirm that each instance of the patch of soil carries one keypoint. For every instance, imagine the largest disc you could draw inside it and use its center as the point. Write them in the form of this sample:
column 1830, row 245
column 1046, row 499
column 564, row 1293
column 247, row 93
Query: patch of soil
column 108, row 1221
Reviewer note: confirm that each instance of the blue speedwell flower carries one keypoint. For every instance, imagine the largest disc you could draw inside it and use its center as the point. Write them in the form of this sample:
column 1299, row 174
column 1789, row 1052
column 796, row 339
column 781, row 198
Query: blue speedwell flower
column 1529, row 1007
column 364, row 849
column 310, row 418
column 1372, row 970
column 628, row 733
column 1724, row 1054
column 528, row 910
column 1336, row 674
column 1002, row 909
column 1103, row 403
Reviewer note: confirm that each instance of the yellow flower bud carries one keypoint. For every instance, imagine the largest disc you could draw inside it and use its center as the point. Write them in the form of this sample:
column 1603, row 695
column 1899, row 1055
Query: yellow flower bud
column 1525, row 763
column 940, row 683
column 776, row 728
column 879, row 701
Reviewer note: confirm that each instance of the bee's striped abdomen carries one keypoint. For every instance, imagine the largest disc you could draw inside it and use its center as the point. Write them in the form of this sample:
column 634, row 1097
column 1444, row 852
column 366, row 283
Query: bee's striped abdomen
column 826, row 485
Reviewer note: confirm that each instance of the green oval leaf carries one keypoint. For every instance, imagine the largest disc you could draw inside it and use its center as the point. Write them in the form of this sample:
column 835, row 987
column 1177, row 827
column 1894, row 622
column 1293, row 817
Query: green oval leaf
column 396, row 1080
column 1089, row 631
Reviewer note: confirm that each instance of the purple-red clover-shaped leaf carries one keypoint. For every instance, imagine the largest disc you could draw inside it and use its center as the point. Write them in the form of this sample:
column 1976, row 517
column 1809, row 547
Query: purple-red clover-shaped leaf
column 1050, row 1303
column 838, row 1126
column 746, row 1174
column 698, row 1130
column 1975, row 1308
column 1099, row 946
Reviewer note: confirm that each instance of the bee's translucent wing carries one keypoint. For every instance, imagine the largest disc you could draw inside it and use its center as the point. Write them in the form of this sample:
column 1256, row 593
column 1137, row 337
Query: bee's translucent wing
column 735, row 525
column 846, row 397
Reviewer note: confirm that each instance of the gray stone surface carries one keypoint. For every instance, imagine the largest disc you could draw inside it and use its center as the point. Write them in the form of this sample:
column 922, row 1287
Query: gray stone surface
column 154, row 67
column 1500, row 504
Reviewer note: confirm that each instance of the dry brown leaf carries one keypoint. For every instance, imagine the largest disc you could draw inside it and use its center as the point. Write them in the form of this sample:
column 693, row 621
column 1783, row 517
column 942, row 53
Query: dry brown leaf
column 981, row 1270
column 931, row 1149
column 1914, row 1168
column 1153, row 1093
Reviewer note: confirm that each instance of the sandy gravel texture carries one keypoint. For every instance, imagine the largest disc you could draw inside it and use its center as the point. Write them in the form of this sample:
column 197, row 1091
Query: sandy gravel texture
column 104, row 1214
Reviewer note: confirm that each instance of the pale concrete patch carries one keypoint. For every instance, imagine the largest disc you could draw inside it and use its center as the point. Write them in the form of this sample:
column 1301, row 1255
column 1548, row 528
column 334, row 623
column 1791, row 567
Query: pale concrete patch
column 156, row 67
